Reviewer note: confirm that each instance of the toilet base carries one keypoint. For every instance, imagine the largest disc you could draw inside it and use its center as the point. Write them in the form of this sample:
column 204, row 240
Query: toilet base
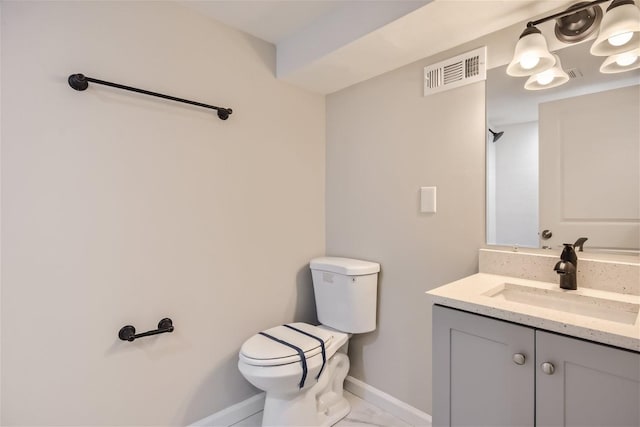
column 322, row 405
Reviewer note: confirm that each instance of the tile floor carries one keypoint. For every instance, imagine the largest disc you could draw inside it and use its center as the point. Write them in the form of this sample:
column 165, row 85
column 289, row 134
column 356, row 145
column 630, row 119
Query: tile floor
column 362, row 414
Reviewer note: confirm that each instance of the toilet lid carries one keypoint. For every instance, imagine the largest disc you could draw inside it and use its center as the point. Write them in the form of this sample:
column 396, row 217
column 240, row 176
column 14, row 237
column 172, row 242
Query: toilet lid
column 263, row 351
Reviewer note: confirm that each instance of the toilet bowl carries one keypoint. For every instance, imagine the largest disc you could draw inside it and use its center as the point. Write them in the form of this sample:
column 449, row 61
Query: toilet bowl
column 278, row 370
column 302, row 367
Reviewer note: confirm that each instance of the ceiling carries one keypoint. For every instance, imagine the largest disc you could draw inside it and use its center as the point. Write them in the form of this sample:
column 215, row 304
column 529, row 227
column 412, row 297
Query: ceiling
column 327, row 45
column 272, row 21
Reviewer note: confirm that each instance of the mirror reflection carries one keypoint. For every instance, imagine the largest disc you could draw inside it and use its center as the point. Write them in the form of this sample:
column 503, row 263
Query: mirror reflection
column 564, row 163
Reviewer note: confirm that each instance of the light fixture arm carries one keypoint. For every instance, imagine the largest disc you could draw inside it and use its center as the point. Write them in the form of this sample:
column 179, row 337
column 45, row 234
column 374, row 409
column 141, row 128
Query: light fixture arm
column 573, row 9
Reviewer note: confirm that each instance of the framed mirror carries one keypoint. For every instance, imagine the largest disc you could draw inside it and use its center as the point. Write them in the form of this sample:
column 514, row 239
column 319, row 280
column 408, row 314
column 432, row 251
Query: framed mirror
column 564, row 162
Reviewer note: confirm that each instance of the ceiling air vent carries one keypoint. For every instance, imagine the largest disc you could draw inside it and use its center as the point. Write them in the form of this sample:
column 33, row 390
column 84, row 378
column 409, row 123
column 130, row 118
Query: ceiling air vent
column 574, row 73
column 455, row 72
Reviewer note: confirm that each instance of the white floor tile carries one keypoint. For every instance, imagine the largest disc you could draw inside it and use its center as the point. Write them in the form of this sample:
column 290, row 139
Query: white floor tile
column 362, row 414
column 253, row 421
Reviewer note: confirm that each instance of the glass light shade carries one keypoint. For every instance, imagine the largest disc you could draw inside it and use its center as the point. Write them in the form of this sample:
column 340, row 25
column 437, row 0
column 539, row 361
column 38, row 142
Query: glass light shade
column 547, row 79
column 531, row 55
column 621, row 62
column 619, row 30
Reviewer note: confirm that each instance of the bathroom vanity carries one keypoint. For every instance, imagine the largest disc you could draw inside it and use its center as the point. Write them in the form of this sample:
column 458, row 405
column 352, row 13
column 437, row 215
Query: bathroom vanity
column 512, row 348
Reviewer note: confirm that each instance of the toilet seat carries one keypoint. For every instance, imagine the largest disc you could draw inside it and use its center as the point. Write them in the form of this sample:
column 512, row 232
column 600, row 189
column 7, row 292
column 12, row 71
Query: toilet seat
column 260, row 350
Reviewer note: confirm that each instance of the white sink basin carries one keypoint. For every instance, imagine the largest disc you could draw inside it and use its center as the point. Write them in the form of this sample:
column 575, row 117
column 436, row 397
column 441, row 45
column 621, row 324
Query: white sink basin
column 567, row 301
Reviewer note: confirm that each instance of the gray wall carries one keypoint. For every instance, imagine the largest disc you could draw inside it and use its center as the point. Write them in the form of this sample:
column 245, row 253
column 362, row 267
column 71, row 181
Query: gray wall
column 119, row 208
column 384, row 141
column 516, row 173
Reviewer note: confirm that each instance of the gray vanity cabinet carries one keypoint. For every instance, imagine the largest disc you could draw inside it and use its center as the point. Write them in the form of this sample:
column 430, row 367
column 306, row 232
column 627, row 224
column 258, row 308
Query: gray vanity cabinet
column 476, row 381
column 488, row 372
column 591, row 384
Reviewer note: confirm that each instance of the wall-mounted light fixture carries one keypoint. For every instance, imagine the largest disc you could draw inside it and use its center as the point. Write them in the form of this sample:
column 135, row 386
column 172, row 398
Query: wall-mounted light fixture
column 554, row 76
column 532, row 54
column 622, row 62
column 620, row 29
column 618, row 38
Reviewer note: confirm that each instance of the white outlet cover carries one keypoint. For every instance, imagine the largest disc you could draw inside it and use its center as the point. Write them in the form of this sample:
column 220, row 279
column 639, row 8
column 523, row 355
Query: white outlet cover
column 428, row 199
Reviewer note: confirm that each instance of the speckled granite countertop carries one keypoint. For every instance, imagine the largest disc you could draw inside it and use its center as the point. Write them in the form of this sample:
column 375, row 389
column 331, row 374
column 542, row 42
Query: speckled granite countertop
column 597, row 271
column 480, row 293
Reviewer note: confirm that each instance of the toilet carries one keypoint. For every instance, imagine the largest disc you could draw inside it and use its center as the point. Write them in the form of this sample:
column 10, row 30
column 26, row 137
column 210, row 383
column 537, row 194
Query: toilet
column 302, row 367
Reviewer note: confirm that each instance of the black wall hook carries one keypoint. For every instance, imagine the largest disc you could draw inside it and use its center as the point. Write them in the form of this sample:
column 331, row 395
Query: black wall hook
column 128, row 332
column 81, row 82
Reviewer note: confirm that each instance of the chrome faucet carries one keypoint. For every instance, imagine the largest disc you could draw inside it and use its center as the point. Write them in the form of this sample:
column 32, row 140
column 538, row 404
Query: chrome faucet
column 567, row 267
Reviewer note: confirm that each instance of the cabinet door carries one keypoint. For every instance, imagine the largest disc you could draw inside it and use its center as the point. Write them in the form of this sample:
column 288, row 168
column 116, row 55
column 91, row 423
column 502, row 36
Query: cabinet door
column 475, row 379
column 592, row 384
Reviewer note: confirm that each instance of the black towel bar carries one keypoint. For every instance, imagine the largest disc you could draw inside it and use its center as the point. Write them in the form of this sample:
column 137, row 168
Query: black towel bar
column 128, row 333
column 81, row 82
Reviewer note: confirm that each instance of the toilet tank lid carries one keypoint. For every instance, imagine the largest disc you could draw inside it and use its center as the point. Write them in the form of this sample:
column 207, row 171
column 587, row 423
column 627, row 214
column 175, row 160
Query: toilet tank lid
column 346, row 266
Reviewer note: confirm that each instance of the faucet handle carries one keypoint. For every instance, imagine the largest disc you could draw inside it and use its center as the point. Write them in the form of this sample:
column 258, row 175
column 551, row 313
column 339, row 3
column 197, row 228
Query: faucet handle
column 580, row 243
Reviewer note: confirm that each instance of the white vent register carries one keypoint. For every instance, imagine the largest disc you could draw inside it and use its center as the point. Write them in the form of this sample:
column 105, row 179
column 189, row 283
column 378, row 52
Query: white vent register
column 455, row 72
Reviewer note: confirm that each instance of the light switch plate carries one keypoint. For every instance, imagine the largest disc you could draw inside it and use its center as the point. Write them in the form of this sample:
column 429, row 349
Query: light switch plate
column 428, row 199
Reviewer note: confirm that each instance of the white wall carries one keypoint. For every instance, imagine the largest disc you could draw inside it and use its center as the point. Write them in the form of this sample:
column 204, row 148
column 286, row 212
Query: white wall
column 490, row 154
column 516, row 185
column 122, row 209
column 384, row 141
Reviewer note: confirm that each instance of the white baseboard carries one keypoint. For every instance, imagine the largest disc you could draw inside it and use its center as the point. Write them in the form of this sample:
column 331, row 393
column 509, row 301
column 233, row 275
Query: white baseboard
column 233, row 414
column 388, row 403
column 238, row 412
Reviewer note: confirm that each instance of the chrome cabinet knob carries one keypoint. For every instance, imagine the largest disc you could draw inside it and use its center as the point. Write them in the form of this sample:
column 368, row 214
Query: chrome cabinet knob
column 548, row 368
column 546, row 234
column 519, row 359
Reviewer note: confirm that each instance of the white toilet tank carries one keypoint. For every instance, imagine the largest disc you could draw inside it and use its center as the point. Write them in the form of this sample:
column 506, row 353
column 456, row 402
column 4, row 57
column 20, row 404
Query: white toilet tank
column 346, row 292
